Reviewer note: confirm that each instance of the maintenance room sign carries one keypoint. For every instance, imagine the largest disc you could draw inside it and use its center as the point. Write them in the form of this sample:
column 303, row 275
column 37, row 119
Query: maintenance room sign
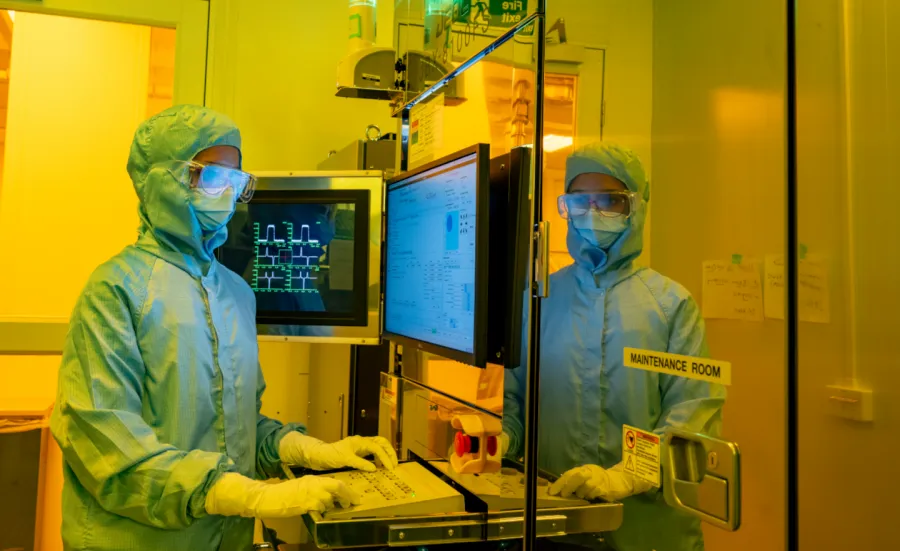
column 692, row 367
column 640, row 454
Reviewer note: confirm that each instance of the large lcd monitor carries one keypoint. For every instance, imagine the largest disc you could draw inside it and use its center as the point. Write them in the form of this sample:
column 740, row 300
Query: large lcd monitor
column 309, row 247
column 436, row 256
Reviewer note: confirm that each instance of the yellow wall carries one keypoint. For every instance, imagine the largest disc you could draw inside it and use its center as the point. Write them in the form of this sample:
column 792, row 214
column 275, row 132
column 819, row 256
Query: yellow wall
column 625, row 29
column 28, row 379
column 190, row 17
column 718, row 188
column 67, row 202
column 849, row 138
column 273, row 68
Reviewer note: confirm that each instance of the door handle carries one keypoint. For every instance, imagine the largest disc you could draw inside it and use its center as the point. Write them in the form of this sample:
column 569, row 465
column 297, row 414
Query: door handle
column 542, row 259
column 702, row 476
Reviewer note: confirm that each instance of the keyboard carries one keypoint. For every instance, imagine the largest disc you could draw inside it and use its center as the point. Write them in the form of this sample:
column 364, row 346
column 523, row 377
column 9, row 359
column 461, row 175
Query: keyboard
column 408, row 490
column 506, row 490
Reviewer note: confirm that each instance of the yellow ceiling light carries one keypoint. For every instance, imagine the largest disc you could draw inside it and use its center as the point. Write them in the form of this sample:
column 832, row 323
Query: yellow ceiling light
column 554, row 142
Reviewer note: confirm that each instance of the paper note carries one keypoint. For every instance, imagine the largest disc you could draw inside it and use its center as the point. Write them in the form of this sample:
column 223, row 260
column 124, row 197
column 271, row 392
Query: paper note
column 426, row 130
column 774, row 289
column 815, row 297
column 732, row 291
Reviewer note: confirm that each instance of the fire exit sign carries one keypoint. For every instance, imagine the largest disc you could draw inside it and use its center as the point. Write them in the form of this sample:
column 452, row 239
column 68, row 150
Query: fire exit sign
column 507, row 13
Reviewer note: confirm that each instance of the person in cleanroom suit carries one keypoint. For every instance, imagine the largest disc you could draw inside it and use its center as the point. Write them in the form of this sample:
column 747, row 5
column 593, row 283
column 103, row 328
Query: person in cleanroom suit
column 160, row 388
column 598, row 306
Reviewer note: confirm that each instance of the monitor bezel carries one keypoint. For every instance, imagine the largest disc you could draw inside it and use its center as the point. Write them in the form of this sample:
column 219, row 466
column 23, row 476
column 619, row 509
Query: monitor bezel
column 510, row 245
column 478, row 356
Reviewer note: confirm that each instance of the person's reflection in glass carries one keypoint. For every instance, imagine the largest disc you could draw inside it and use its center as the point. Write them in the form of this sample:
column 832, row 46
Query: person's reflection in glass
column 597, row 307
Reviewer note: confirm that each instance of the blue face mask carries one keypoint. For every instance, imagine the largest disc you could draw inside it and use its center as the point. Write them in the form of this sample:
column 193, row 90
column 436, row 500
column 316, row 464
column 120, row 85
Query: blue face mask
column 599, row 230
column 213, row 212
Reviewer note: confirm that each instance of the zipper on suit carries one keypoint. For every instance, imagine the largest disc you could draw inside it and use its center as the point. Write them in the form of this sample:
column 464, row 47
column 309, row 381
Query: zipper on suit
column 215, row 351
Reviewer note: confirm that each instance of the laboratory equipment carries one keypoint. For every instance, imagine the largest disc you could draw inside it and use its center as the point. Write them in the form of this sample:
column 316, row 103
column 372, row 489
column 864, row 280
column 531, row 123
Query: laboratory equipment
column 369, row 71
column 377, row 73
column 309, row 247
column 376, row 152
column 505, row 490
column 390, row 515
column 408, row 490
column 475, row 445
column 436, row 257
column 487, row 512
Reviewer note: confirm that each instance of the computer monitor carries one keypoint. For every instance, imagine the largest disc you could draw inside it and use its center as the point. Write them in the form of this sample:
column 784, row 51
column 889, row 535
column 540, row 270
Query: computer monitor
column 309, row 247
column 436, row 256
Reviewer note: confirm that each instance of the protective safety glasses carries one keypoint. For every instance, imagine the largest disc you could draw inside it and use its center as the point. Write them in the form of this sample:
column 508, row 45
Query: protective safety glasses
column 214, row 180
column 607, row 203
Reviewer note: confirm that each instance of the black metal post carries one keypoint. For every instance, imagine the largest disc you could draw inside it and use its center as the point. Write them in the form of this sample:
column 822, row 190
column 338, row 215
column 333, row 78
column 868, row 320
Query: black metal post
column 793, row 520
column 532, row 405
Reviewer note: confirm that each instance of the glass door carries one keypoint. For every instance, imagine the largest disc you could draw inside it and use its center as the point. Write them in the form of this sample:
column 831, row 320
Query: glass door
column 663, row 353
column 848, row 82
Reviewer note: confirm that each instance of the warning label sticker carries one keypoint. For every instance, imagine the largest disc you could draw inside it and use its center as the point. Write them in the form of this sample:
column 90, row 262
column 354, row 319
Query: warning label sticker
column 640, row 454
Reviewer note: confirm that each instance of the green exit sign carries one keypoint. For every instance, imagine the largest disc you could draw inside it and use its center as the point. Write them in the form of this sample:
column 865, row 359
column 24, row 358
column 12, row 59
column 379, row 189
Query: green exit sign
column 507, row 13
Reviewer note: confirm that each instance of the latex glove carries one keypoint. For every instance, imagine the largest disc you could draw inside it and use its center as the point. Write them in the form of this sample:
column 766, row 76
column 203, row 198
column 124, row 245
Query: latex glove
column 299, row 449
column 236, row 495
column 593, row 482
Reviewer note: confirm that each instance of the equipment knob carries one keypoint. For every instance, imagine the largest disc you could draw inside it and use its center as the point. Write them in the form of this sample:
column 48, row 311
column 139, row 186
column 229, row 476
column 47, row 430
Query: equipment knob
column 462, row 444
column 492, row 445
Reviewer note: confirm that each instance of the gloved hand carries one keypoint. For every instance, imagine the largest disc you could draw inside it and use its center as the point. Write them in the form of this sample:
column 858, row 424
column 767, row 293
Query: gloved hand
column 593, row 482
column 299, row 449
column 237, row 495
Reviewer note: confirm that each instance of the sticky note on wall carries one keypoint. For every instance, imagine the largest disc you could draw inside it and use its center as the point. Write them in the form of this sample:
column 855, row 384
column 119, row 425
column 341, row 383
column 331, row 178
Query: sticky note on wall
column 732, row 290
column 815, row 296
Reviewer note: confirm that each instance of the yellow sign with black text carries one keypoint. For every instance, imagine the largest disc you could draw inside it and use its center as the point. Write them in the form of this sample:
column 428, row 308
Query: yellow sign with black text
column 692, row 367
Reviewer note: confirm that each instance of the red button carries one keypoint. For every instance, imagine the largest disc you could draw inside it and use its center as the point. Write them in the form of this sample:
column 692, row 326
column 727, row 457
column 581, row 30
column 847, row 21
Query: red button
column 492, row 445
column 462, row 444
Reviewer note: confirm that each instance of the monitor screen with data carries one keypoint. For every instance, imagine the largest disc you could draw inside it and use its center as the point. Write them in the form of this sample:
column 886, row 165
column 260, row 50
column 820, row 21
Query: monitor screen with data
column 304, row 255
column 435, row 259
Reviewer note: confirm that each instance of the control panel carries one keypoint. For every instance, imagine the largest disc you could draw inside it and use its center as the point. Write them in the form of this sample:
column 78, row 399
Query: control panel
column 505, row 490
column 408, row 490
